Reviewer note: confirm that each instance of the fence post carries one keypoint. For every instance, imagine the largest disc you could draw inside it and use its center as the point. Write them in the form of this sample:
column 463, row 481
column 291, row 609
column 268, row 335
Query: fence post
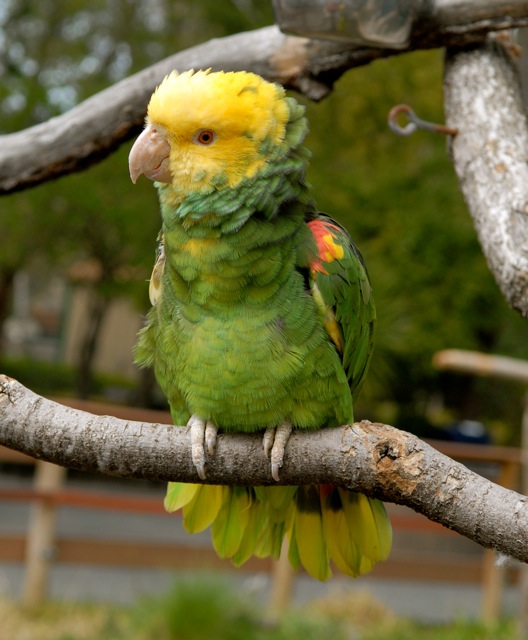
column 492, row 586
column 283, row 577
column 493, row 574
column 41, row 534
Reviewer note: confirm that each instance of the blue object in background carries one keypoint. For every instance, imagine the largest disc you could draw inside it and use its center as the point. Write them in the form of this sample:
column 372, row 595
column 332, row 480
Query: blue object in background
column 471, row 431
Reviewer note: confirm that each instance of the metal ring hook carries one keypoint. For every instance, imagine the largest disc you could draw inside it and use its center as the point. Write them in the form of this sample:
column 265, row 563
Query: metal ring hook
column 414, row 123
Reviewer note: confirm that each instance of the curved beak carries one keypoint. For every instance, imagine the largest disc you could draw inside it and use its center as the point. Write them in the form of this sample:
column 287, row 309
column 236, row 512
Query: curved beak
column 150, row 155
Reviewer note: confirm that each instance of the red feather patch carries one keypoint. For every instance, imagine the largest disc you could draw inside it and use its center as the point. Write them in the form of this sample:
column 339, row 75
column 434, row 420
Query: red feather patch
column 328, row 249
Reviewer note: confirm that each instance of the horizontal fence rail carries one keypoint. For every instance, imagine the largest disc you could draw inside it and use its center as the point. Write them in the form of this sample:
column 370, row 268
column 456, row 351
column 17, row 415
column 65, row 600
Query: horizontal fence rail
column 42, row 546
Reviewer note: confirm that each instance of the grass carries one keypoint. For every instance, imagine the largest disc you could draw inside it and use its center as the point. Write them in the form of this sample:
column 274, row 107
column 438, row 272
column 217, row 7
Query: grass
column 204, row 609
column 59, row 621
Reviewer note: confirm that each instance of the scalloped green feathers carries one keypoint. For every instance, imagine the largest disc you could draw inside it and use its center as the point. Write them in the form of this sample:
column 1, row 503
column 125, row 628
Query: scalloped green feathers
column 263, row 314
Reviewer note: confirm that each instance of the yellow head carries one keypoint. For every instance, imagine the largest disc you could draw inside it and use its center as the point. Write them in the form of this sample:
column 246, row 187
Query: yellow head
column 208, row 129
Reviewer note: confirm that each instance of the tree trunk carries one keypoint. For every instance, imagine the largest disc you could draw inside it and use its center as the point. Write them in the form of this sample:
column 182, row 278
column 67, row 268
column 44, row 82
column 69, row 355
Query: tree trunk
column 96, row 311
column 6, row 289
column 490, row 154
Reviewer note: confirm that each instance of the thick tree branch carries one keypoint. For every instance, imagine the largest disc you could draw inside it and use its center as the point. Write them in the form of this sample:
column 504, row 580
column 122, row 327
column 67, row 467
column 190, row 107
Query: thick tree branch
column 490, row 154
column 97, row 126
column 373, row 458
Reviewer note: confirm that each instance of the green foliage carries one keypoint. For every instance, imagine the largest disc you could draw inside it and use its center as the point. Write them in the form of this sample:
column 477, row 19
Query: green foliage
column 360, row 615
column 206, row 607
column 196, row 609
column 54, row 378
column 401, row 202
column 460, row 630
column 54, row 55
column 398, row 196
column 202, row 607
column 42, row 377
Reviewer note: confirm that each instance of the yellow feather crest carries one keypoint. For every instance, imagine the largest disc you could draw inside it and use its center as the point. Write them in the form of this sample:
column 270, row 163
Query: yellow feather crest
column 239, row 100
column 238, row 111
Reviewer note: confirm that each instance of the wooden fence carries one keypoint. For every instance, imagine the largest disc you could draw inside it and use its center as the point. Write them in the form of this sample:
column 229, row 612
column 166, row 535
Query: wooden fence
column 423, row 550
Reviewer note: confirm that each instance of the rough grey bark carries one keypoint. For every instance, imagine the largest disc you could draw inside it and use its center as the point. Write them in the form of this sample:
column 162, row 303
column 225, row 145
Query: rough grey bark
column 97, row 126
column 372, row 458
column 490, row 155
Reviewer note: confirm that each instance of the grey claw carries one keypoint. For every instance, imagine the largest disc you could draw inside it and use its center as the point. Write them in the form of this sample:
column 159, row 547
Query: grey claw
column 202, row 431
column 200, row 469
column 267, row 440
column 210, row 437
column 274, row 441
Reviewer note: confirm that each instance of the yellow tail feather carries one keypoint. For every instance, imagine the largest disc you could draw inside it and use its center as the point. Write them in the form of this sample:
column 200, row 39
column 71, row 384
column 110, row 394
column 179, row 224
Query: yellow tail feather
column 179, row 494
column 323, row 524
column 369, row 527
column 204, row 508
column 309, row 533
column 341, row 548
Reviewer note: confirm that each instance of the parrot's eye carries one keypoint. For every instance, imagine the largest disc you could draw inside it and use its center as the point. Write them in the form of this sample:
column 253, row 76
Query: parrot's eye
column 205, row 137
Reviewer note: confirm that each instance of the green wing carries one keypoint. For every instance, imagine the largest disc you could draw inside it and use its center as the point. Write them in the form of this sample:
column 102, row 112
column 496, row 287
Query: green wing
column 341, row 288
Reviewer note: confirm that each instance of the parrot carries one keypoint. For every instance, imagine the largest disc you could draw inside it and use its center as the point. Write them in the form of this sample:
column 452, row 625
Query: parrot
column 262, row 316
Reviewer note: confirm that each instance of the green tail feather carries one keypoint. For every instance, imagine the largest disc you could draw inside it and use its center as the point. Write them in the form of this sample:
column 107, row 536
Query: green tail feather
column 323, row 524
column 262, row 537
column 278, row 501
column 269, row 544
column 230, row 525
column 293, row 550
column 258, row 523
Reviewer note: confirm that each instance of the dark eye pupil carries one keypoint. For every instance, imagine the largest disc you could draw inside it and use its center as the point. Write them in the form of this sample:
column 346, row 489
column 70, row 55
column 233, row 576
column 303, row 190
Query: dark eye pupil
column 206, row 137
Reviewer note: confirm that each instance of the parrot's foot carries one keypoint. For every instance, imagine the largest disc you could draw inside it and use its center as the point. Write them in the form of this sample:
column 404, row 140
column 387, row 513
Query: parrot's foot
column 274, row 441
column 203, row 432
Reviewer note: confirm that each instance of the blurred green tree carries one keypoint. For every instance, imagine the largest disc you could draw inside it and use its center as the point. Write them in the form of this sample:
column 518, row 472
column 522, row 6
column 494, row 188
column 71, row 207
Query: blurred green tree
column 53, row 55
column 398, row 197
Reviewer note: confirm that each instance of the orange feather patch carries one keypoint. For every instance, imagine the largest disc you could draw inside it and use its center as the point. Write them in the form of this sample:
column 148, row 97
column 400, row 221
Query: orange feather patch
column 328, row 249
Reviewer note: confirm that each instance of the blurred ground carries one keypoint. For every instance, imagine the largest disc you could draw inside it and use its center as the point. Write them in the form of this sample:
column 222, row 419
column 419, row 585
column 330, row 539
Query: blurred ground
column 422, row 601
